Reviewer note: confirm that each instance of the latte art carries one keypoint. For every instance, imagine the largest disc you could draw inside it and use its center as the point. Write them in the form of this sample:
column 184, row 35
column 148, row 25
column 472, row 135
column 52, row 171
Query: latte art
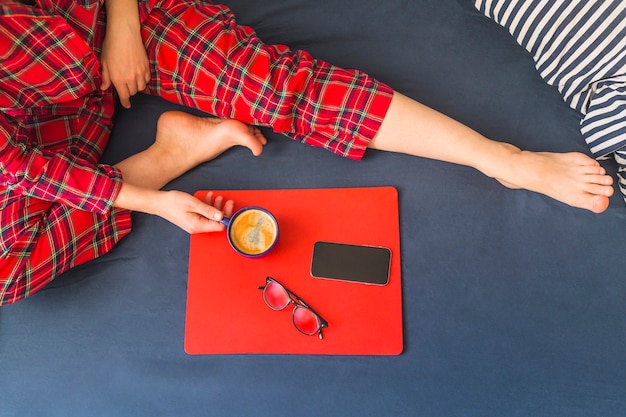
column 253, row 232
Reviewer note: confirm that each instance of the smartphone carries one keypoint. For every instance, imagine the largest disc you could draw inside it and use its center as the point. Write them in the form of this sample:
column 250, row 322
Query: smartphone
column 355, row 263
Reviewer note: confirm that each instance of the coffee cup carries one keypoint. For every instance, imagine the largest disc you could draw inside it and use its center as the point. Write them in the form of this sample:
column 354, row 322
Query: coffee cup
column 252, row 231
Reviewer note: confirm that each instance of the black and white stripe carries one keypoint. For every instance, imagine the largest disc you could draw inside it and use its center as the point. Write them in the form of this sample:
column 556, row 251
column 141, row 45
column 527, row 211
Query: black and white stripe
column 579, row 46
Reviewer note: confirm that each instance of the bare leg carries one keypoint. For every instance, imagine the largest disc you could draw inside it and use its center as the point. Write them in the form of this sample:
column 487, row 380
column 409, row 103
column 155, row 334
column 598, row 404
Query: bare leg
column 572, row 178
column 184, row 141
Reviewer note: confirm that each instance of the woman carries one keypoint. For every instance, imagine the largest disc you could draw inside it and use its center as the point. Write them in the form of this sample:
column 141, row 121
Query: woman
column 59, row 201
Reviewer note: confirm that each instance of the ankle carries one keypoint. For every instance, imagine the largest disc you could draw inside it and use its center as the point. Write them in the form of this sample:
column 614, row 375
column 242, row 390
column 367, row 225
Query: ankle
column 502, row 162
column 169, row 158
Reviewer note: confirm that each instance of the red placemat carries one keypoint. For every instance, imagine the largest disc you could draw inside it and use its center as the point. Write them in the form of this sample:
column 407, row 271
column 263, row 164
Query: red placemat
column 225, row 309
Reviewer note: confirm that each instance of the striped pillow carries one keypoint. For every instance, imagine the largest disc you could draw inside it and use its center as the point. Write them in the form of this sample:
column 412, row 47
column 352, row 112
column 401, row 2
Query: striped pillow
column 579, row 46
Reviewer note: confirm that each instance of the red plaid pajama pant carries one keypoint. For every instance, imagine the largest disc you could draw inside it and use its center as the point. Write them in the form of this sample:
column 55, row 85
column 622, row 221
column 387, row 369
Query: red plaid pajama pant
column 202, row 59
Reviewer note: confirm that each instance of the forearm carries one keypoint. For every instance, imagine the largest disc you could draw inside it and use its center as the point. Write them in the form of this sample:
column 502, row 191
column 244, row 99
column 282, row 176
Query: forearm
column 179, row 208
column 136, row 198
column 59, row 178
column 123, row 13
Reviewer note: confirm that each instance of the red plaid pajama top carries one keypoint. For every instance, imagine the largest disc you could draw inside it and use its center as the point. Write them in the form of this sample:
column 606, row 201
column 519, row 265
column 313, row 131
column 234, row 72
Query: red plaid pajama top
column 56, row 200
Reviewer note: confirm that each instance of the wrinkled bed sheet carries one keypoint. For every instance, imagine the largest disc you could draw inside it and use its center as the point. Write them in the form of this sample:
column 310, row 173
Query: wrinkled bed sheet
column 514, row 304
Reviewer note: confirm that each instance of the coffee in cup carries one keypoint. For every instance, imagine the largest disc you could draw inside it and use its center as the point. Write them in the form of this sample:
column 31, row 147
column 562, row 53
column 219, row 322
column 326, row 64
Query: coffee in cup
column 252, row 231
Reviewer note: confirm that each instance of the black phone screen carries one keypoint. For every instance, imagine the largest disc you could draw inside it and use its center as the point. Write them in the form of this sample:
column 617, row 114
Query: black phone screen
column 356, row 263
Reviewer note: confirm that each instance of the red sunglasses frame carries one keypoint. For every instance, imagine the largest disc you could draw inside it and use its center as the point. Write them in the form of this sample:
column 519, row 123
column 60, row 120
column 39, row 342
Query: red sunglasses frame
column 297, row 302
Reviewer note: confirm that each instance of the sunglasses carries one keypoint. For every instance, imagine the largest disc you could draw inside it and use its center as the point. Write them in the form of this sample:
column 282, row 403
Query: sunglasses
column 278, row 297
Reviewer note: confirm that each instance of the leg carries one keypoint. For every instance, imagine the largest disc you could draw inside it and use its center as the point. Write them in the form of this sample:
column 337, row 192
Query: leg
column 224, row 69
column 61, row 239
column 184, row 141
column 577, row 47
column 283, row 88
column 70, row 237
column 414, row 129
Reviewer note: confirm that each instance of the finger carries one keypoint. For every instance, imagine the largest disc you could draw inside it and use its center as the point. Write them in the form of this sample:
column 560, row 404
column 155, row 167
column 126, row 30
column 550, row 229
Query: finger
column 218, row 202
column 124, row 96
column 132, row 88
column 209, row 198
column 226, row 208
column 229, row 207
column 141, row 81
column 204, row 225
column 208, row 211
column 106, row 79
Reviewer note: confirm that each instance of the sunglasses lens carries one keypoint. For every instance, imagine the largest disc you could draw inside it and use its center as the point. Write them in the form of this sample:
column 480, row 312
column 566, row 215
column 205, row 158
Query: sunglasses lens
column 276, row 296
column 306, row 321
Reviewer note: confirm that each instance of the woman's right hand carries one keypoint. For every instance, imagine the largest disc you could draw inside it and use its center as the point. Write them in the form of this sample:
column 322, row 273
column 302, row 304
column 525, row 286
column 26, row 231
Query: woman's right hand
column 182, row 209
column 192, row 214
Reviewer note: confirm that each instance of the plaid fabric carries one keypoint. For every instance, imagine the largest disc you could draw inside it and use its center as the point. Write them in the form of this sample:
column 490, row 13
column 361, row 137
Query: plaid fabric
column 201, row 58
column 55, row 200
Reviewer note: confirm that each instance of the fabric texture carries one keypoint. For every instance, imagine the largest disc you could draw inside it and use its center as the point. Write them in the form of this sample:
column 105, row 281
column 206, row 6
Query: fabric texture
column 513, row 303
column 200, row 58
column 580, row 48
column 55, row 199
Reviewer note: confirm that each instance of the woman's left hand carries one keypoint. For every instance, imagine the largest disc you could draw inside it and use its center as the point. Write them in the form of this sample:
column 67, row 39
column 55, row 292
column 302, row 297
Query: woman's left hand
column 124, row 60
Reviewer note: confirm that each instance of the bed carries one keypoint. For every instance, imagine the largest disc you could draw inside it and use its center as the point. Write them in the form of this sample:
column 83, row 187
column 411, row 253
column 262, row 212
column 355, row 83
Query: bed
column 513, row 303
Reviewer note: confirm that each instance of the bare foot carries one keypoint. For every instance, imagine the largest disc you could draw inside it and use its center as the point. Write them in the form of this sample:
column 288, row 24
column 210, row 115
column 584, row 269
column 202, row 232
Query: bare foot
column 571, row 178
column 200, row 139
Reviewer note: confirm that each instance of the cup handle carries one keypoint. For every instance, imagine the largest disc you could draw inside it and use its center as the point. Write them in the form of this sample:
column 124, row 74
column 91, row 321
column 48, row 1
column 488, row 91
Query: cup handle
column 225, row 221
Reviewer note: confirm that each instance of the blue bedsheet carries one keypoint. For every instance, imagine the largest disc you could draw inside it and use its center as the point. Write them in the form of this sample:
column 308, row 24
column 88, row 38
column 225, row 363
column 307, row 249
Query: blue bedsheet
column 514, row 304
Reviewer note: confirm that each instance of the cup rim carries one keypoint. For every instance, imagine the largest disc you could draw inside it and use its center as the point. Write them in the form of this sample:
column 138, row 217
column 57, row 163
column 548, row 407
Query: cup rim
column 238, row 213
